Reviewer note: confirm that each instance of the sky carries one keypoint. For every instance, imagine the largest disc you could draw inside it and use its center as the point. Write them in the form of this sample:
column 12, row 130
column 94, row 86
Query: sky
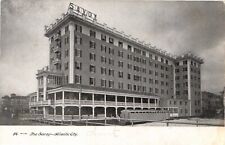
column 176, row 27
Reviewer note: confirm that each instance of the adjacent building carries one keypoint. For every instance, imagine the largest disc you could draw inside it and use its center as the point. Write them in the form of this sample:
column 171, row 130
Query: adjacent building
column 15, row 104
column 97, row 71
column 212, row 104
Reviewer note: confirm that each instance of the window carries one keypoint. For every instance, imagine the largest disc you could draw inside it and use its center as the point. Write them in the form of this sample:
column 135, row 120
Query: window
column 150, row 90
column 120, row 85
column 103, row 83
column 120, row 53
column 103, row 59
column 156, row 58
column 78, row 28
column 92, row 81
column 78, row 53
column 120, row 63
column 185, row 92
column 150, row 72
column 78, row 65
column 162, row 83
column 120, row 44
column 103, row 48
column 185, row 77
column 177, row 77
column 166, row 61
column 92, row 33
column 129, row 66
column 111, row 61
column 111, row 40
column 144, row 53
column 144, row 79
column 120, row 74
column 150, row 63
column 92, row 44
column 67, row 40
column 111, row 72
column 177, row 92
column 166, row 68
column 156, row 73
column 185, row 62
column 111, row 50
column 66, row 29
column 129, row 86
column 78, row 40
column 162, row 60
column 128, row 76
column 162, row 75
column 185, row 69
column 129, row 56
column 156, row 90
column 66, row 65
column 175, row 102
column 77, row 79
column 177, row 70
column 92, row 68
column 111, row 84
column 66, row 52
column 103, row 70
column 162, row 91
column 92, row 56
column 150, row 81
column 103, row 37
column 156, row 82
column 129, row 48
column 156, row 65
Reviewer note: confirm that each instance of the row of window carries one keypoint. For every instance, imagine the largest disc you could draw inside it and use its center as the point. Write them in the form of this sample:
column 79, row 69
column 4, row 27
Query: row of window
column 110, row 84
column 92, row 69
column 92, row 34
column 186, row 77
column 180, row 102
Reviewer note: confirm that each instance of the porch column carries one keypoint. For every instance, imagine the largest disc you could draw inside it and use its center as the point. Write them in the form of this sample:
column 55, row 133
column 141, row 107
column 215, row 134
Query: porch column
column 44, row 112
column 44, row 87
column 148, row 103
column 105, row 104
column 142, row 103
column 79, row 97
column 38, row 89
column 133, row 102
column 93, row 105
column 125, row 102
column 63, row 113
column 54, row 115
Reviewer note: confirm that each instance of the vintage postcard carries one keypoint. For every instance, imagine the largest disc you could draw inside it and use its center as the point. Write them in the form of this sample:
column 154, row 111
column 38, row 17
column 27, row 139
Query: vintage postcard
column 112, row 72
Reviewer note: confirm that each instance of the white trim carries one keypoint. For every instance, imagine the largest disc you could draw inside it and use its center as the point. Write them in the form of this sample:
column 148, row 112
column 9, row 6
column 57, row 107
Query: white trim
column 71, row 51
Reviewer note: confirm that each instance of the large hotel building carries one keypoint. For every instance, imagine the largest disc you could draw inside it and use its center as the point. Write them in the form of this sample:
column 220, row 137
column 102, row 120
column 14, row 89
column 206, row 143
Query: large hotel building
column 96, row 71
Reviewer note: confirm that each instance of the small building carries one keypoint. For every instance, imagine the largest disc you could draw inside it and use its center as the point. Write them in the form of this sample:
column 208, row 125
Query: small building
column 212, row 104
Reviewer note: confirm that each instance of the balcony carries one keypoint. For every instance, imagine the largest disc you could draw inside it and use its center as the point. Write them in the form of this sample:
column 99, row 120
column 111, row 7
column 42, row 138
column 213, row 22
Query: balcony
column 145, row 105
column 120, row 103
column 110, row 103
column 130, row 104
column 40, row 103
column 56, row 49
column 137, row 104
column 56, row 61
column 99, row 102
column 57, row 37
column 86, row 102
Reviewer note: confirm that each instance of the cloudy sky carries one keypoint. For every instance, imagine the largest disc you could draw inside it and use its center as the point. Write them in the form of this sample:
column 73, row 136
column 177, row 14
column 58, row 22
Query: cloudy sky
column 176, row 27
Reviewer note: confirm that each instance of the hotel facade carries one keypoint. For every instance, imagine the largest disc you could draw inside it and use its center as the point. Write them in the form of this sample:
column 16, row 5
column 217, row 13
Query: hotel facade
column 96, row 71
